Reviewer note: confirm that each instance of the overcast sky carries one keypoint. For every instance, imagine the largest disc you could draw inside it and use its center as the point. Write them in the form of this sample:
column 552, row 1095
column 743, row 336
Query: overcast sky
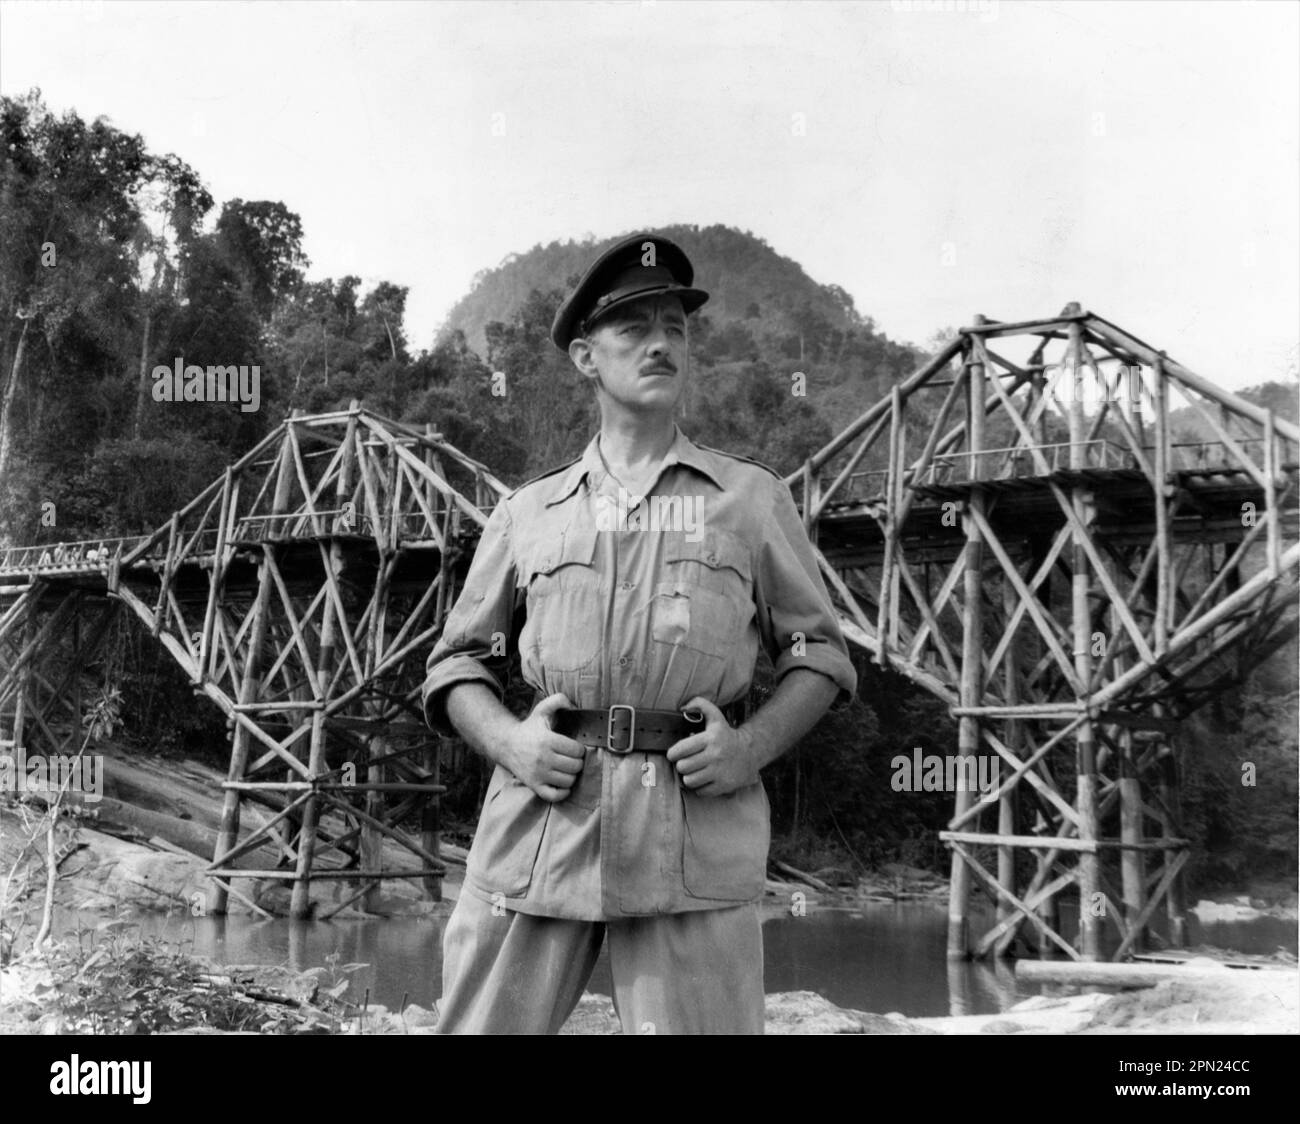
column 1143, row 159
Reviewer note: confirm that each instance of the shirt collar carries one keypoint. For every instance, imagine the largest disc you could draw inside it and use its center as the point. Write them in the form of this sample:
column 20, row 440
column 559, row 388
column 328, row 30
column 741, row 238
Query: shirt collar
column 682, row 451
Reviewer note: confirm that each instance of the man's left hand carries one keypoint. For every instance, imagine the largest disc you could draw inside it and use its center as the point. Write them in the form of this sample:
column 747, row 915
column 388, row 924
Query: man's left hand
column 718, row 760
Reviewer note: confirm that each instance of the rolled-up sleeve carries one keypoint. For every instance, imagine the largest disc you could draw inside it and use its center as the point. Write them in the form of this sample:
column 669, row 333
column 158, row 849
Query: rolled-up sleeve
column 475, row 643
column 796, row 620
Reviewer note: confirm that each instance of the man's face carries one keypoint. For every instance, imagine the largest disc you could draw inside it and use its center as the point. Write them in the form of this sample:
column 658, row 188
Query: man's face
column 637, row 354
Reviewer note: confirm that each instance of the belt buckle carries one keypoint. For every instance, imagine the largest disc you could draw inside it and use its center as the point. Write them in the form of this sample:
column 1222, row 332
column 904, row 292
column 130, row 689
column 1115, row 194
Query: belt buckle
column 631, row 732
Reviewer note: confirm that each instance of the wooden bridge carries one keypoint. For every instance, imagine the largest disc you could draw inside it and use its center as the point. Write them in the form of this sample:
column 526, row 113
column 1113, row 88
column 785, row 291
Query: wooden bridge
column 1016, row 528
column 300, row 592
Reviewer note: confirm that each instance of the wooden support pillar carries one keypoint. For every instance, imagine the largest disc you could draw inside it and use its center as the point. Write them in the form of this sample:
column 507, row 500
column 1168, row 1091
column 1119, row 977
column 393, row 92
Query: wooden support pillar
column 1132, row 376
column 1048, row 911
column 976, row 408
column 1175, row 897
column 887, row 617
column 897, row 510
column 1164, row 599
column 372, row 839
column 250, row 683
column 297, row 718
column 394, row 494
column 430, row 457
column 241, row 739
column 1132, row 862
column 165, row 577
column 968, row 734
column 1037, row 388
column 960, row 1000
column 299, row 952
column 1271, row 512
column 300, row 904
column 971, row 690
column 73, row 741
column 1013, row 739
column 430, row 817
column 216, row 577
column 22, row 672
column 1085, row 748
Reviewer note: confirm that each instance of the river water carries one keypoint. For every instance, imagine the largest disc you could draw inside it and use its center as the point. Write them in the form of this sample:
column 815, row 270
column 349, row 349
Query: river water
column 877, row 957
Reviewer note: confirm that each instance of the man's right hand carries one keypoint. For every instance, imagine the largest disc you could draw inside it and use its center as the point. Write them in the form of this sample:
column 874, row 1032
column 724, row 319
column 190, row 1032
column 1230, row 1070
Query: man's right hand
column 547, row 762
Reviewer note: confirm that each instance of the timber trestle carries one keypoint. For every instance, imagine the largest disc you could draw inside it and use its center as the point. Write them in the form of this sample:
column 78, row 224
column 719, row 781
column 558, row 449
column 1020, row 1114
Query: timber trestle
column 1062, row 532
column 300, row 592
column 1025, row 528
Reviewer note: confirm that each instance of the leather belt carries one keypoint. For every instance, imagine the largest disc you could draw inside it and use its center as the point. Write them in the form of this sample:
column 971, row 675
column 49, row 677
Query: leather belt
column 627, row 729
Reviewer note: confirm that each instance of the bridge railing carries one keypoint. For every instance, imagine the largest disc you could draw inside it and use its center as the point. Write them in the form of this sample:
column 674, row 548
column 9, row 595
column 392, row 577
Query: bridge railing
column 83, row 556
column 1019, row 462
column 94, row 555
column 1190, row 456
column 1024, row 461
column 1011, row 462
column 863, row 486
column 409, row 526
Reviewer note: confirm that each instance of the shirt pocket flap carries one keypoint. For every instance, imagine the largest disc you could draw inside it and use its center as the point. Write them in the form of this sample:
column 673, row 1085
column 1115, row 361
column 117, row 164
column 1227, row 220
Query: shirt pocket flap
column 577, row 547
column 716, row 549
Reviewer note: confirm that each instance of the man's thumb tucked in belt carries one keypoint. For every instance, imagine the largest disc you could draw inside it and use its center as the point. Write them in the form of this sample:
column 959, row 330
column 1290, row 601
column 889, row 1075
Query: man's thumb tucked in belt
column 718, row 760
column 545, row 761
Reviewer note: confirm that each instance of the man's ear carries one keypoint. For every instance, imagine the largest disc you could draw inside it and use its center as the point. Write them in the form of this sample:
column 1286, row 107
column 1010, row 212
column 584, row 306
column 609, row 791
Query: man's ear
column 580, row 352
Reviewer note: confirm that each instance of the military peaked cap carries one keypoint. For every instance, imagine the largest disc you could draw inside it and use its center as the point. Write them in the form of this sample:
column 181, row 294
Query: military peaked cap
column 640, row 265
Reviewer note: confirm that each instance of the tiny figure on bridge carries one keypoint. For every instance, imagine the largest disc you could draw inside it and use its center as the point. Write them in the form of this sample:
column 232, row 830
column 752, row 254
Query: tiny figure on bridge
column 636, row 585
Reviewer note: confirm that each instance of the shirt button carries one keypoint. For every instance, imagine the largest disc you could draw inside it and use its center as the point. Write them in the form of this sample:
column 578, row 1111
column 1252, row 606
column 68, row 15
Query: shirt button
column 625, row 586
column 713, row 558
column 623, row 661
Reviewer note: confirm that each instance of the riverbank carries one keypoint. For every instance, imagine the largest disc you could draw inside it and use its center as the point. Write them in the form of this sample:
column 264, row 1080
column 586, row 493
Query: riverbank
column 131, row 989
column 113, row 863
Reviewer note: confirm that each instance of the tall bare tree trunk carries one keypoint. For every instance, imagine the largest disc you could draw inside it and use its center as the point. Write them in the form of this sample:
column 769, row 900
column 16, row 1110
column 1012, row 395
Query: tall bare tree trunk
column 142, row 389
column 7, row 403
column 392, row 346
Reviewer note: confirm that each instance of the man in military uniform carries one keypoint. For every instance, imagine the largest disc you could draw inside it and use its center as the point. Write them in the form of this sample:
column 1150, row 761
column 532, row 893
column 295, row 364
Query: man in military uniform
column 636, row 585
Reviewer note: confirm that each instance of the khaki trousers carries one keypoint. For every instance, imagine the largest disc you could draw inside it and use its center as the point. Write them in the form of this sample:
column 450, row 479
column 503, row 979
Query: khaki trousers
column 676, row 973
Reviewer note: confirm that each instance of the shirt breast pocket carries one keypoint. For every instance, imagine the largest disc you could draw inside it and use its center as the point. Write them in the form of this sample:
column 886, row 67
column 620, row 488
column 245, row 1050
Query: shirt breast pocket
column 566, row 605
column 707, row 599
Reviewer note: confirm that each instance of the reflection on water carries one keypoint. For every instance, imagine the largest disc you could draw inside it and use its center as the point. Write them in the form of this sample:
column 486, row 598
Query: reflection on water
column 881, row 957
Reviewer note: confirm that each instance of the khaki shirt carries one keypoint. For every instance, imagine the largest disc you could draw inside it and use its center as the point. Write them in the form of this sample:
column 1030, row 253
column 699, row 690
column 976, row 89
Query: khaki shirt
column 646, row 608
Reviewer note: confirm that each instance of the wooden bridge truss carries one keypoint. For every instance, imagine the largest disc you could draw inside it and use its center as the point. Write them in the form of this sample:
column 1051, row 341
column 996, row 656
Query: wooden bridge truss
column 1019, row 529
column 300, row 592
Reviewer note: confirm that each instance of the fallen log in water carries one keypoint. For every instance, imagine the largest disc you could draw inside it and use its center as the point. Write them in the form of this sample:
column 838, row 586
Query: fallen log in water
column 800, row 876
column 1084, row 972
column 188, row 835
